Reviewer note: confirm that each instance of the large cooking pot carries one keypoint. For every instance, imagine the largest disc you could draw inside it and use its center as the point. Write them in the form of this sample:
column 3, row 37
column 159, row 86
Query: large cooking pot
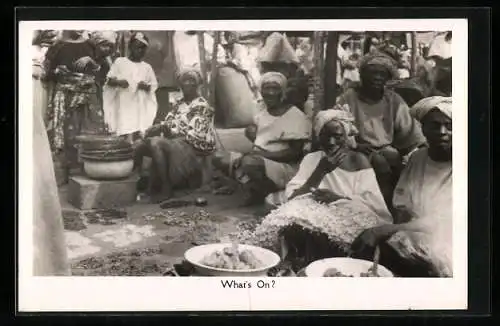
column 102, row 142
column 106, row 157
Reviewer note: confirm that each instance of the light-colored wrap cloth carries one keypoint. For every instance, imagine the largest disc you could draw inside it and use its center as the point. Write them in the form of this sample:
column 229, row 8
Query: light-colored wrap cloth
column 273, row 77
column 99, row 37
column 339, row 114
column 189, row 72
column 425, row 105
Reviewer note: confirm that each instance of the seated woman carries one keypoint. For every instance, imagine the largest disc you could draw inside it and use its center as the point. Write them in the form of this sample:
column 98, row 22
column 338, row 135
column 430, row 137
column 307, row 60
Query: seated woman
column 278, row 134
column 419, row 244
column 334, row 193
column 187, row 138
column 387, row 132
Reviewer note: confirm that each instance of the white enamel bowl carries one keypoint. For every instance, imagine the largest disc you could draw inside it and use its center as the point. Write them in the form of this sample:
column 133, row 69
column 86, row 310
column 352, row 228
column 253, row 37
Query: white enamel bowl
column 348, row 266
column 196, row 254
column 108, row 170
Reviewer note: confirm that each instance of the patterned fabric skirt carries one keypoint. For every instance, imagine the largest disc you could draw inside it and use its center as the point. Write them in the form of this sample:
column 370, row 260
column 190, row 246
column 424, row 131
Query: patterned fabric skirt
column 74, row 109
column 184, row 164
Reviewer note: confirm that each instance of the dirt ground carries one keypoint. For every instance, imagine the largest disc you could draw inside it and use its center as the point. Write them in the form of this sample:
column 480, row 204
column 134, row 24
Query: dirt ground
column 152, row 236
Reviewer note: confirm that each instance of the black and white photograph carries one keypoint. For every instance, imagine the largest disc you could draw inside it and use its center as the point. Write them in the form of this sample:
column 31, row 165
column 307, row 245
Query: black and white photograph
column 296, row 156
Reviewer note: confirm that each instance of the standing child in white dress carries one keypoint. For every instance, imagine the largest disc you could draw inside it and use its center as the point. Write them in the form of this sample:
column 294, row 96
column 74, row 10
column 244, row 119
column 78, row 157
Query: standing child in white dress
column 129, row 95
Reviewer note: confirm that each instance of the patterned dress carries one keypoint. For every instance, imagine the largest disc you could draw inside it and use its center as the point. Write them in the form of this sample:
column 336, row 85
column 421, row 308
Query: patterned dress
column 194, row 122
column 74, row 107
column 190, row 138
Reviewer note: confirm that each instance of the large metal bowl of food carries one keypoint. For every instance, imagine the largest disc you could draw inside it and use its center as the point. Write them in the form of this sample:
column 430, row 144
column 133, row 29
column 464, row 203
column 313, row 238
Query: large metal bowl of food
column 227, row 259
column 345, row 267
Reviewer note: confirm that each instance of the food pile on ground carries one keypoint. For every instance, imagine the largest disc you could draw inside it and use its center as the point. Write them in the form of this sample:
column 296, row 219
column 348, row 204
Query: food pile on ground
column 341, row 222
column 232, row 258
column 143, row 262
column 77, row 221
column 333, row 272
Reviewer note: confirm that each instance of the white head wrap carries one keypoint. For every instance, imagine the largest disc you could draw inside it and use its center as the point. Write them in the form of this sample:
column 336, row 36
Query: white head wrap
column 274, row 77
column 339, row 114
column 104, row 36
column 422, row 107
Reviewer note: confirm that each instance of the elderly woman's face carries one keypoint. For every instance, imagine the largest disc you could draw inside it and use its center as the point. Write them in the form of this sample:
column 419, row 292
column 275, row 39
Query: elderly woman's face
column 189, row 85
column 436, row 127
column 272, row 94
column 332, row 136
column 374, row 76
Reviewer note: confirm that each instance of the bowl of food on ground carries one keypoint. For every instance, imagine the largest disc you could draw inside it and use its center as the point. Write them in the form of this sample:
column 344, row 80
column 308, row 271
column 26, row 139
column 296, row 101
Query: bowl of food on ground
column 231, row 259
column 345, row 267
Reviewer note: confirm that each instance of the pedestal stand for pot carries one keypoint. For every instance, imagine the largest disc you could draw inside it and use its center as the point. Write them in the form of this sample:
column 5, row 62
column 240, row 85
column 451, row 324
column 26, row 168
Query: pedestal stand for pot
column 88, row 192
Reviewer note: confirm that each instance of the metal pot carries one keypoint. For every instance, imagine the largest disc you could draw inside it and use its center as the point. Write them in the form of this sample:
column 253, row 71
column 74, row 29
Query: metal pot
column 107, row 153
column 102, row 142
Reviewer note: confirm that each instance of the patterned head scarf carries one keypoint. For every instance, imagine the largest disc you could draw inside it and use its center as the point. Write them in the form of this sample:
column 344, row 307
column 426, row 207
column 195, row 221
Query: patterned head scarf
column 99, row 37
column 380, row 59
column 338, row 114
column 276, row 78
column 425, row 105
column 139, row 36
column 189, row 72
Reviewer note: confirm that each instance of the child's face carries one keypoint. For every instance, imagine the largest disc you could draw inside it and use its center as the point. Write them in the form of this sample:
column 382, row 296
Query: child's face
column 137, row 50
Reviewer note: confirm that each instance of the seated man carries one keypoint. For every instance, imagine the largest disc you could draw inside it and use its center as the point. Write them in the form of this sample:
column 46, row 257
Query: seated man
column 179, row 155
column 419, row 243
column 279, row 135
column 387, row 132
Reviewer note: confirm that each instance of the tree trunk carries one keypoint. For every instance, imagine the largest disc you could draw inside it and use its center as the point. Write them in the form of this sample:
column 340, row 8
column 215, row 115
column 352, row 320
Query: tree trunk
column 203, row 66
column 319, row 72
column 413, row 53
column 213, row 68
column 331, row 69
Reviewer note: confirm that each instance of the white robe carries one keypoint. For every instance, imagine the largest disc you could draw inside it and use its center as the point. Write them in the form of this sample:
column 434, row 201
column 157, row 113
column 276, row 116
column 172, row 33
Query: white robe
column 128, row 110
column 425, row 189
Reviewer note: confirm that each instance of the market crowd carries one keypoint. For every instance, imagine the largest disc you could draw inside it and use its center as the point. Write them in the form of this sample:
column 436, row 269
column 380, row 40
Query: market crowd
column 387, row 151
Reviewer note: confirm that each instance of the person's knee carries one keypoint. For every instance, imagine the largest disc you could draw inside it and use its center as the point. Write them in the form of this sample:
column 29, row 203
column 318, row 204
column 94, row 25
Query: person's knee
column 221, row 160
column 380, row 164
column 155, row 142
column 252, row 161
column 253, row 166
column 391, row 156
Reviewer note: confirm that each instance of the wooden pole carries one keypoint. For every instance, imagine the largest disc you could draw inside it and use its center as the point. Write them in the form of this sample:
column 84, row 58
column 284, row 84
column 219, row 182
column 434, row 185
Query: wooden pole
column 203, row 66
column 413, row 53
column 319, row 69
column 213, row 68
column 331, row 69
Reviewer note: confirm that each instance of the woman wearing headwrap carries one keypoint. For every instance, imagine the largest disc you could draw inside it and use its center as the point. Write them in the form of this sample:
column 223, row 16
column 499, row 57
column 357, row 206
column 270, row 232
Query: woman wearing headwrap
column 105, row 43
column 279, row 134
column 129, row 95
column 188, row 138
column 419, row 244
column 387, row 132
column 74, row 107
column 337, row 170
column 334, row 194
